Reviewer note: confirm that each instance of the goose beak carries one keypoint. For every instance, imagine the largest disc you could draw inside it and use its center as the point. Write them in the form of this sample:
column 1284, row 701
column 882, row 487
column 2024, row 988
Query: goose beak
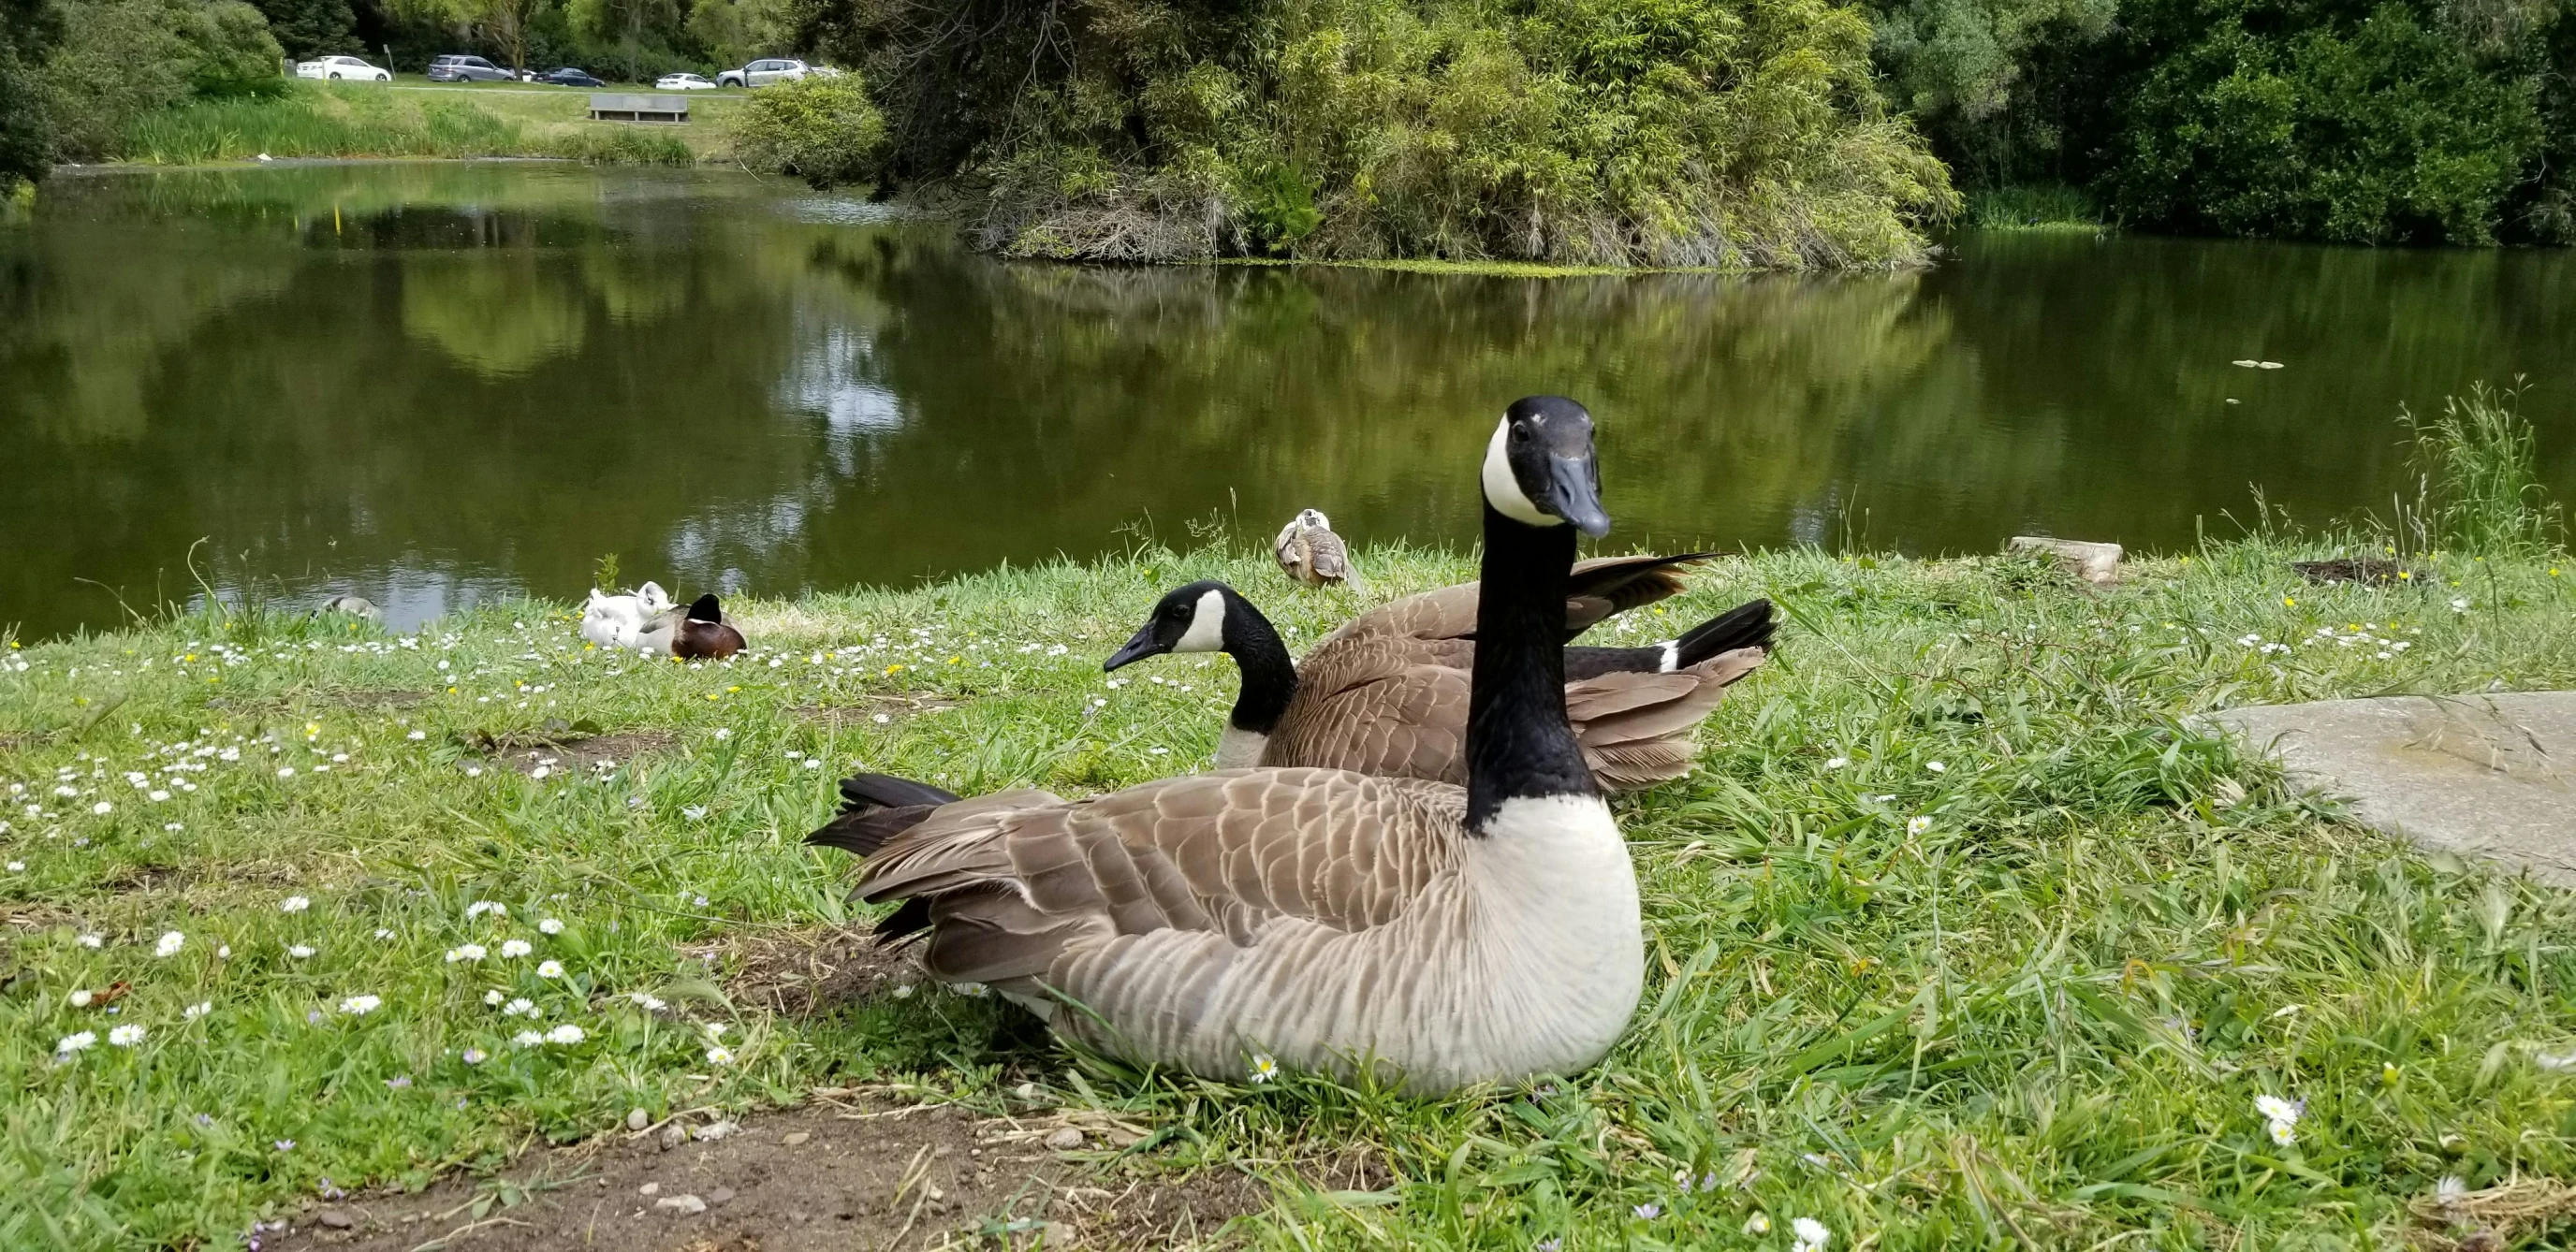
column 1574, row 493
column 1137, row 649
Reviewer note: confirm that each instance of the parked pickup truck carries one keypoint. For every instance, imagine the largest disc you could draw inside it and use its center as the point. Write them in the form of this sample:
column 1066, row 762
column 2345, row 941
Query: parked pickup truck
column 350, row 68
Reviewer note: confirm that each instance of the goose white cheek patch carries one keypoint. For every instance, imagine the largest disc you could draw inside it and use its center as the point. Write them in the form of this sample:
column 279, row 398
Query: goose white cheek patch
column 1503, row 490
column 1207, row 625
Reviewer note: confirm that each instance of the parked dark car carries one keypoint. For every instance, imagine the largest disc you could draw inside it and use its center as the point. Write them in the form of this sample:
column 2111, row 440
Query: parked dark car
column 465, row 69
column 567, row 76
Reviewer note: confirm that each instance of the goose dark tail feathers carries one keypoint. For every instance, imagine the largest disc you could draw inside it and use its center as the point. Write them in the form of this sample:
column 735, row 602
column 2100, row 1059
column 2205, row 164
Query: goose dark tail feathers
column 876, row 808
column 1747, row 625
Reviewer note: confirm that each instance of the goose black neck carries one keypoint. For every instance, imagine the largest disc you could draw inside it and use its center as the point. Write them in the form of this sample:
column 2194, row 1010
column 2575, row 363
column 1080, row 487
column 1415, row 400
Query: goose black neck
column 1269, row 677
column 1519, row 744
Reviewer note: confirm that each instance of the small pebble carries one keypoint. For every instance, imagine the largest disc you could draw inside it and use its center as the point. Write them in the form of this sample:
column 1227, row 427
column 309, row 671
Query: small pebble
column 638, row 1119
column 713, row 1131
column 794, row 1137
column 1065, row 1138
column 681, row 1204
column 335, row 1219
column 673, row 1135
column 721, row 1195
column 650, row 1188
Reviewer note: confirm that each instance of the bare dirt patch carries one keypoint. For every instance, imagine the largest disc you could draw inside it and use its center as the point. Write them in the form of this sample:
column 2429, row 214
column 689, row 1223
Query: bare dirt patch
column 847, row 1172
column 562, row 751
column 802, row 972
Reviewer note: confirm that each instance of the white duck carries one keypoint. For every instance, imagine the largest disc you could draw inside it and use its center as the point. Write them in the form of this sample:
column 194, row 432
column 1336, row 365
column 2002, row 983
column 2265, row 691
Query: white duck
column 619, row 621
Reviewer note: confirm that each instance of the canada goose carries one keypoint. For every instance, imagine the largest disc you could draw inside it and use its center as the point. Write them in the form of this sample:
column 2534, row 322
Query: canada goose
column 1443, row 935
column 1312, row 554
column 697, row 632
column 616, row 621
column 1384, row 702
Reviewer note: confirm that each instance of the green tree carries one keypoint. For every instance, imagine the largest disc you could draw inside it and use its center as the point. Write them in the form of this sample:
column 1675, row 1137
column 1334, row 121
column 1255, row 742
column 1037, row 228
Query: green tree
column 504, row 25
column 635, row 37
column 2383, row 125
column 121, row 60
column 732, row 32
column 28, row 29
column 1974, row 73
column 311, row 28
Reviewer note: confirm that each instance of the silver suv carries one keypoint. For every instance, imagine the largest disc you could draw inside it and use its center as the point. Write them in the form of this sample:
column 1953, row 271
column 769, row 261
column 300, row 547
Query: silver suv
column 465, row 69
column 773, row 70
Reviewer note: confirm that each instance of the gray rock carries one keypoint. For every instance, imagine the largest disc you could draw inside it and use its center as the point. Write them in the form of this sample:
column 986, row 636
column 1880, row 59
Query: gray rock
column 2096, row 563
column 673, row 1135
column 1065, row 1139
column 681, row 1204
column 638, row 1119
column 2491, row 776
column 721, row 1195
column 335, row 1219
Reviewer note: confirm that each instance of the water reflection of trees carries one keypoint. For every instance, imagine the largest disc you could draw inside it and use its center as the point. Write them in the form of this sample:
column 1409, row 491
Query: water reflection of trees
column 578, row 362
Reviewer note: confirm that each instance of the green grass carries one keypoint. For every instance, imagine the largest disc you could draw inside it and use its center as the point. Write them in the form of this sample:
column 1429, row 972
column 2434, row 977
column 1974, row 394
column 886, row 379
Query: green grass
column 2047, row 207
column 2039, row 1019
column 2479, row 465
column 367, row 120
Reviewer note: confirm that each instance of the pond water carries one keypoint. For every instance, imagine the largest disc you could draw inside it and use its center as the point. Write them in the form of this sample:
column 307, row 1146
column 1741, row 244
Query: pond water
column 435, row 383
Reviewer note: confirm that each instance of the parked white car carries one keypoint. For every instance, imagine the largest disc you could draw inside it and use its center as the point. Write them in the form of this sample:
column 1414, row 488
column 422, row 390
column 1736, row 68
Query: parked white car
column 682, row 82
column 350, row 68
column 773, row 70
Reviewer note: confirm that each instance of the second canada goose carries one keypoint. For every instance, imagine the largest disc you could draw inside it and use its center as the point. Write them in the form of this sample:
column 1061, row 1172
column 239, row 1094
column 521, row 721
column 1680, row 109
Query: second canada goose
column 1383, row 701
column 698, row 631
column 1312, row 554
column 1436, row 934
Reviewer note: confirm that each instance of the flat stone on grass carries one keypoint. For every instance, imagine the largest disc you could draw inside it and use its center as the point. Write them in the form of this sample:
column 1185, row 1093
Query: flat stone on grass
column 2492, row 776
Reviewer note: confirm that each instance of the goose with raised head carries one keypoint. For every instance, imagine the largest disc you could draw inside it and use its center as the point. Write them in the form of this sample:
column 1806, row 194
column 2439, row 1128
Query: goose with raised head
column 1436, row 934
column 617, row 621
column 1310, row 553
column 699, row 631
column 1395, row 702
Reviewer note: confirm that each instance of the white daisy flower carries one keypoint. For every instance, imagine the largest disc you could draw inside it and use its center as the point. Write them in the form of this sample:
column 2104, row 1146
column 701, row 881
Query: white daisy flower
column 465, row 952
column 566, row 1034
column 170, row 943
column 300, row 951
column 2275, row 1109
column 384, row 933
column 1264, row 1069
column 92, row 941
column 648, row 1001
column 197, row 1010
column 550, row 969
column 126, row 1036
column 491, row 997
column 1917, row 825
column 515, row 947
column 293, row 904
column 551, row 926
column 719, row 1055
column 1758, row 1224
column 527, row 1038
column 360, row 1006
column 80, row 1042
column 2281, row 1133
column 1811, row 1234
column 80, row 997
column 102, row 808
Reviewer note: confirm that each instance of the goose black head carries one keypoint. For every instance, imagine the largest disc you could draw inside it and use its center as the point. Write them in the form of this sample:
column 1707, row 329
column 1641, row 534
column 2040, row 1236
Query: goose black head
column 1540, row 469
column 1188, row 619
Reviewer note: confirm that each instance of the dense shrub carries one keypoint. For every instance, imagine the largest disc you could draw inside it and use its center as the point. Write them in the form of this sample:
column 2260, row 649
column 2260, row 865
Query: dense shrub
column 823, row 130
column 307, row 29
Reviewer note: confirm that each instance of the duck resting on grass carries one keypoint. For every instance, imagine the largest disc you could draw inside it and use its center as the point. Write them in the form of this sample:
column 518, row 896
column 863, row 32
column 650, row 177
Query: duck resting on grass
column 1389, row 693
column 616, row 621
column 699, row 631
column 1434, row 934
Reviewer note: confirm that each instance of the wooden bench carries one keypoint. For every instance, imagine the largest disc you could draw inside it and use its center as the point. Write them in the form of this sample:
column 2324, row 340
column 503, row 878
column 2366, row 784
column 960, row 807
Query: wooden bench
column 624, row 108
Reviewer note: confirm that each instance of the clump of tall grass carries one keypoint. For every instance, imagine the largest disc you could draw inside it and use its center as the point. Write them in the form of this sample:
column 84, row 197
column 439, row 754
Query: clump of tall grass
column 2478, row 477
column 2051, row 207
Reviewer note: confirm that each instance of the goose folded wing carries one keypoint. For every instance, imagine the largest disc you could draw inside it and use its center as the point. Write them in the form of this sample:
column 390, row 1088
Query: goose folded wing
column 1402, row 718
column 1609, row 585
column 1004, row 888
column 1635, row 728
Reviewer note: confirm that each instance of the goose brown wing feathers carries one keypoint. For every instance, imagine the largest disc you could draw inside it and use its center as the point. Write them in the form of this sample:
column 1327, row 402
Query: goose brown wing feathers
column 1598, row 588
column 1636, row 728
column 1012, row 882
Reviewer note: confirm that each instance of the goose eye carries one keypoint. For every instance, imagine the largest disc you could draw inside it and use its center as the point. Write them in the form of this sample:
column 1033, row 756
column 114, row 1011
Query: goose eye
column 1520, row 433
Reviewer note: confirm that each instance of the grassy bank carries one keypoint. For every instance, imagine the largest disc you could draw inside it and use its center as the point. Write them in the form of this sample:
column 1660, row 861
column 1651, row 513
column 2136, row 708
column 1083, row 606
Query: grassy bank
column 371, row 120
column 1961, row 937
